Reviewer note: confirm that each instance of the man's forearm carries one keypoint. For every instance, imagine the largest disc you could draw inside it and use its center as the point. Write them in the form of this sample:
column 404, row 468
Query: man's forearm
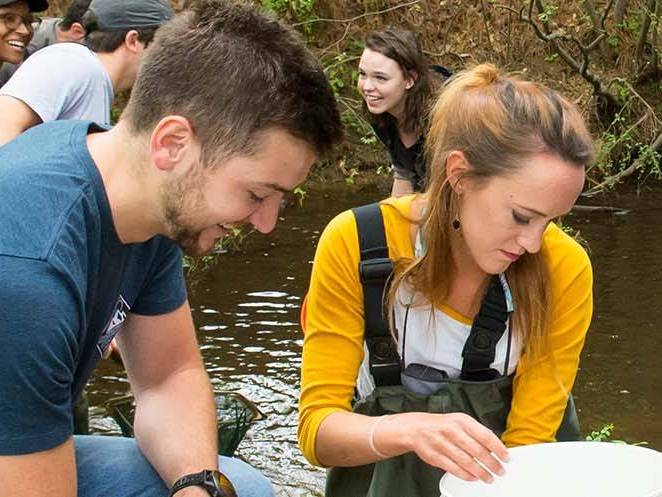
column 175, row 425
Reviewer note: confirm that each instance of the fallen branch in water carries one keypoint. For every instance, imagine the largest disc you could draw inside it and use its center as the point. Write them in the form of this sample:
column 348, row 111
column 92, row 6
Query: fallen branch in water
column 655, row 146
column 600, row 208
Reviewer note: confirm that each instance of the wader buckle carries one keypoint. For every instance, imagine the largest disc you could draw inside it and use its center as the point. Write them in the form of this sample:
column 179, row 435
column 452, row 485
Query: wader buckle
column 375, row 271
column 384, row 360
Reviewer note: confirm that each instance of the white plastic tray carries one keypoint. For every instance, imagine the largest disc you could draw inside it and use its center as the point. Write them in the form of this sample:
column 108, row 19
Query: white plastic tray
column 569, row 469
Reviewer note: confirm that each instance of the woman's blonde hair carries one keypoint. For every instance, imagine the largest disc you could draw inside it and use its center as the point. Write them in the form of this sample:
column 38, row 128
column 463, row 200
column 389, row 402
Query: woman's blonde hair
column 497, row 122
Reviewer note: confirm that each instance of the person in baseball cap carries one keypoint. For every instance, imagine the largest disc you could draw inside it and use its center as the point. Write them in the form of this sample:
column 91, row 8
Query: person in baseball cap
column 115, row 15
column 72, row 81
column 16, row 27
column 33, row 5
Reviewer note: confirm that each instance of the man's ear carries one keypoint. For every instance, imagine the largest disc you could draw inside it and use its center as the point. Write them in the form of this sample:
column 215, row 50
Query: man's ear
column 132, row 41
column 76, row 32
column 457, row 167
column 172, row 142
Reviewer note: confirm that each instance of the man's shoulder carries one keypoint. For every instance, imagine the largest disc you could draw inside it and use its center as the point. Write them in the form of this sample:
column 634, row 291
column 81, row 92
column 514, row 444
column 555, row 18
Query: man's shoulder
column 43, row 176
column 69, row 59
column 45, row 34
column 57, row 68
column 68, row 52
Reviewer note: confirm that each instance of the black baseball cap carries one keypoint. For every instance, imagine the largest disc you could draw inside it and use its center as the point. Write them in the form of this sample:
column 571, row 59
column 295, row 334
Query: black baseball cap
column 33, row 5
column 130, row 14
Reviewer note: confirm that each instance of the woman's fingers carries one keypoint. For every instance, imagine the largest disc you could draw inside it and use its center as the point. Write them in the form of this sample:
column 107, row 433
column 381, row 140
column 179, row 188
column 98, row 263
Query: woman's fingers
column 486, row 438
column 481, row 454
column 453, row 449
column 439, row 460
column 464, row 448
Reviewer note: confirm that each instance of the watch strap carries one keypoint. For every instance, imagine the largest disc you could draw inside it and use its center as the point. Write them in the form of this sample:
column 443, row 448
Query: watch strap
column 214, row 482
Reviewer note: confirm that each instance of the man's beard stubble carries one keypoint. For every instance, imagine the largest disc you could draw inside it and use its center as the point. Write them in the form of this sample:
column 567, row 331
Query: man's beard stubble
column 181, row 199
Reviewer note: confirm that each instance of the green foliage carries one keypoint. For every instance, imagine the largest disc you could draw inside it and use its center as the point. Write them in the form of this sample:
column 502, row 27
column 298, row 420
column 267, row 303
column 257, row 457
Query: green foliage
column 302, row 9
column 350, row 176
column 605, row 434
column 574, row 233
column 232, row 242
column 630, row 24
column 300, row 194
column 386, row 169
column 601, row 435
column 619, row 149
column 547, row 14
column 296, row 11
column 370, row 139
column 356, row 123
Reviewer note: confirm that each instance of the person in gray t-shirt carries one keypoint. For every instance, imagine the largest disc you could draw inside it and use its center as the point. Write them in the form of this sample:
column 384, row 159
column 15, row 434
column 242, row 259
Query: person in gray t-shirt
column 71, row 81
column 52, row 30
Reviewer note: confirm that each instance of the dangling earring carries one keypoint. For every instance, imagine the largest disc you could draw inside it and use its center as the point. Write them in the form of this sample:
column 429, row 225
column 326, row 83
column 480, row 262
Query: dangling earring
column 455, row 224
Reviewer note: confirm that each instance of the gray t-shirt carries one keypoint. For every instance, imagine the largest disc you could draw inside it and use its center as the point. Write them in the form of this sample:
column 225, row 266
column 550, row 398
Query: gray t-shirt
column 44, row 35
column 63, row 81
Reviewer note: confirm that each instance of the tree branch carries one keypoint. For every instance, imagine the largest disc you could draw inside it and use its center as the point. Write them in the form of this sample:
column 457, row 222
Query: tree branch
column 655, row 146
column 544, row 32
column 356, row 18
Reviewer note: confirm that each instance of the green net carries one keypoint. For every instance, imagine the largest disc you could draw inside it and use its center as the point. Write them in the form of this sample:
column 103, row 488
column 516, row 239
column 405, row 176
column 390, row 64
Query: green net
column 234, row 416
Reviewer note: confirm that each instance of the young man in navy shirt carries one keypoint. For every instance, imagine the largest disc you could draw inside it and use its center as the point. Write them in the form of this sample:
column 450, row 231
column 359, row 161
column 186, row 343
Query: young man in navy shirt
column 228, row 113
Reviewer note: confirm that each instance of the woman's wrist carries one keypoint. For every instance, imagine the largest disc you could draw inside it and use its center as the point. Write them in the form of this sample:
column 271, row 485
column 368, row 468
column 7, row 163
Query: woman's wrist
column 390, row 436
column 371, row 438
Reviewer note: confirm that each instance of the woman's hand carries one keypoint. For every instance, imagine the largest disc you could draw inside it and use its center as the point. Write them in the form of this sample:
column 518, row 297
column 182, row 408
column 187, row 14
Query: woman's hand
column 454, row 442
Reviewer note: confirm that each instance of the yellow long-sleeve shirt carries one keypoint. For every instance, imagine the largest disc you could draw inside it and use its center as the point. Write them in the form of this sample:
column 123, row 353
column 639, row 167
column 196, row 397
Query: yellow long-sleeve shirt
column 333, row 322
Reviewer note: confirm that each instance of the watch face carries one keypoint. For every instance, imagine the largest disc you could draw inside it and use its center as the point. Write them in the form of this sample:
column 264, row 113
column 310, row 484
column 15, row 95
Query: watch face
column 224, row 485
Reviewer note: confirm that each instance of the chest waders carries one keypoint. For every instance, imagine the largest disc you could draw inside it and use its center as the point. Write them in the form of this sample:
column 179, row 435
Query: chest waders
column 480, row 391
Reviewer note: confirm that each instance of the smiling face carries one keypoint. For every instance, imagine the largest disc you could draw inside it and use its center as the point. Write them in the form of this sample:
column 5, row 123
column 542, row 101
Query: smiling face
column 14, row 41
column 245, row 190
column 506, row 216
column 382, row 83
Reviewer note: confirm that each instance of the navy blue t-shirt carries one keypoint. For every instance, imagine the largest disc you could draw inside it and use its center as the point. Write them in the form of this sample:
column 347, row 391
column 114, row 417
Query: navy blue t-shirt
column 66, row 281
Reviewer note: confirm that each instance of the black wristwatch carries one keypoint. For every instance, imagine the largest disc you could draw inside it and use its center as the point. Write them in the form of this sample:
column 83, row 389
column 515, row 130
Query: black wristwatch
column 214, row 482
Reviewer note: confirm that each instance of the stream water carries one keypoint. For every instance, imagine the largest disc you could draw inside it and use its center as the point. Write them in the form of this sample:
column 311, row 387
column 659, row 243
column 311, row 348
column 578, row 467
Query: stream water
column 246, row 310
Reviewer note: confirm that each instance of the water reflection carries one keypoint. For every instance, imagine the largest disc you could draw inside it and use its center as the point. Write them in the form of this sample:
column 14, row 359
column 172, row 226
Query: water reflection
column 246, row 312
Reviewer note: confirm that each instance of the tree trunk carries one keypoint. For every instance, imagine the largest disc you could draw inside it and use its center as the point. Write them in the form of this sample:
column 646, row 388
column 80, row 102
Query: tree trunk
column 651, row 8
column 619, row 11
column 593, row 14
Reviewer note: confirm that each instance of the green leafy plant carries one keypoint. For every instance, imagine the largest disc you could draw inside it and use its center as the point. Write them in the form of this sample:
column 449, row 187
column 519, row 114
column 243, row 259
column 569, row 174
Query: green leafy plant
column 231, row 242
column 601, row 435
column 297, row 11
column 605, row 434
column 300, row 195
column 548, row 13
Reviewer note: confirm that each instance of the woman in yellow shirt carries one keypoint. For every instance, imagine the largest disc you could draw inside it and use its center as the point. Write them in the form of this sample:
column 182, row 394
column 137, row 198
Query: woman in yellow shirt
column 488, row 304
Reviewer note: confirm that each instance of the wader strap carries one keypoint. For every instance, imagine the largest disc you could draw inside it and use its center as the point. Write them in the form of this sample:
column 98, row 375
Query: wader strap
column 375, row 268
column 486, row 331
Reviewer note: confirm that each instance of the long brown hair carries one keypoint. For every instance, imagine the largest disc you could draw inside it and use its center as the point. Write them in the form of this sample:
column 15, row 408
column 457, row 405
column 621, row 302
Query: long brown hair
column 497, row 122
column 402, row 46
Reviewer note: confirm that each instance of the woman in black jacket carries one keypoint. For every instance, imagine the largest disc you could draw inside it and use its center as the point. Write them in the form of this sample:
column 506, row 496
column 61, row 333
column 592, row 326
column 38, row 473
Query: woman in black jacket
column 397, row 85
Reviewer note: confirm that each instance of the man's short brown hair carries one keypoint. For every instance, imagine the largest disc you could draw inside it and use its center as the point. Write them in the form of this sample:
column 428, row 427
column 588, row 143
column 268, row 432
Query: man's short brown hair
column 233, row 72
